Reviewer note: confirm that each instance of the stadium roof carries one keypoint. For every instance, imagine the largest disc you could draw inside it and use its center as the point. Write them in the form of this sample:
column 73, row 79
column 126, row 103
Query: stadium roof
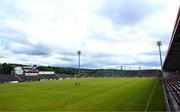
column 172, row 60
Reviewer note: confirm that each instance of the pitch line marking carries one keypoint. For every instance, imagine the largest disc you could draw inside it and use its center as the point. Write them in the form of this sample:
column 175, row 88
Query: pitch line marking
column 150, row 96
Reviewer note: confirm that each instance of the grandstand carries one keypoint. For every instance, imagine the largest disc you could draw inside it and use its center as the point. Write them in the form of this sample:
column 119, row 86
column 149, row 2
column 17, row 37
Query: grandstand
column 7, row 78
column 26, row 74
column 171, row 68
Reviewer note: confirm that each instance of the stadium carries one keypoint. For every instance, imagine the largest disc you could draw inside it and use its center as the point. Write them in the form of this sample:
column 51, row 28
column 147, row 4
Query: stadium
column 49, row 88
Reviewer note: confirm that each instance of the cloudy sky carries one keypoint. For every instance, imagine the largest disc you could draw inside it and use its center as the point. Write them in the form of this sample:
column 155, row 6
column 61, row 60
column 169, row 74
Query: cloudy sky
column 109, row 33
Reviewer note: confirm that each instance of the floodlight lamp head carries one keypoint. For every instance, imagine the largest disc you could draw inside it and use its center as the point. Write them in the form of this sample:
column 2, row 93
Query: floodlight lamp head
column 79, row 52
column 159, row 43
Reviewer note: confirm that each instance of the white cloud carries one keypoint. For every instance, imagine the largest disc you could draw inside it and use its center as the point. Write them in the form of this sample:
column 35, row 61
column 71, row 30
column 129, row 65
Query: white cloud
column 66, row 26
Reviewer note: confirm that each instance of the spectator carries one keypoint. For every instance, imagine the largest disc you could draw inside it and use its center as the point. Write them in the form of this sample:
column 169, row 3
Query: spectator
column 76, row 83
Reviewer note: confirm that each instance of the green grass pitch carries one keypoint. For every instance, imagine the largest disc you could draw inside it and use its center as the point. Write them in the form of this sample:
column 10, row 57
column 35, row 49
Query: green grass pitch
column 93, row 94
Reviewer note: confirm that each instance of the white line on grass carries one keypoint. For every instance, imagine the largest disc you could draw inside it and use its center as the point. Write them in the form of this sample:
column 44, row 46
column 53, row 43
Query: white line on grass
column 151, row 96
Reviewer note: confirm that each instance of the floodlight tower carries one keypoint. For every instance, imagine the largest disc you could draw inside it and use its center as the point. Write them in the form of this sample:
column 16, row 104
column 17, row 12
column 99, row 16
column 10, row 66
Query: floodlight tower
column 159, row 44
column 139, row 71
column 79, row 54
column 120, row 73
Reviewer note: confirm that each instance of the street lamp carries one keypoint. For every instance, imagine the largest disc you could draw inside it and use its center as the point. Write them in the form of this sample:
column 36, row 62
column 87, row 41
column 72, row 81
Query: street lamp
column 159, row 44
column 79, row 53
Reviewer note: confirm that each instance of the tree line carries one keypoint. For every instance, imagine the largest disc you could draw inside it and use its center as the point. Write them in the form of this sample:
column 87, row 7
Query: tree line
column 6, row 68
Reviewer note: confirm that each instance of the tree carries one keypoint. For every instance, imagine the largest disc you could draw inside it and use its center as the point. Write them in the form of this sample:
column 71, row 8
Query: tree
column 6, row 68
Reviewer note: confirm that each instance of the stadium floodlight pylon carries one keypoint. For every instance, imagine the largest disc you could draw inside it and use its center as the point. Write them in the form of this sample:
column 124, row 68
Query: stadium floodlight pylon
column 139, row 71
column 159, row 44
column 79, row 54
